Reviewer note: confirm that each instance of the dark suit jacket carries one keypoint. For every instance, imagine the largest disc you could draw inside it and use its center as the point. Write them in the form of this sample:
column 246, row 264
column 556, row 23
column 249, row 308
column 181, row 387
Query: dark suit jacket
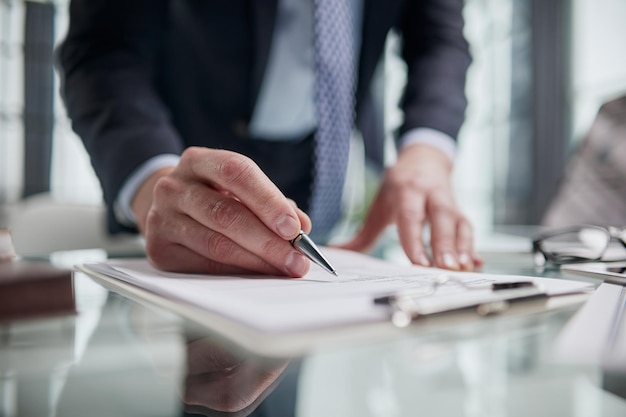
column 146, row 77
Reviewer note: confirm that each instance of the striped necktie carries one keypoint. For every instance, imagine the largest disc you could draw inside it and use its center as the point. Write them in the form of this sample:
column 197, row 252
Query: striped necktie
column 334, row 101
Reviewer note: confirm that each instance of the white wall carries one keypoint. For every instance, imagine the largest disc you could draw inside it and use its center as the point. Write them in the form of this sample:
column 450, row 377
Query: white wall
column 11, row 99
column 72, row 179
column 483, row 140
column 598, row 58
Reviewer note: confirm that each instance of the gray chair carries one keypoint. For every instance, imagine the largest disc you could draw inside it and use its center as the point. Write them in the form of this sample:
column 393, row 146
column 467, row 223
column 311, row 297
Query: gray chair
column 593, row 189
column 40, row 225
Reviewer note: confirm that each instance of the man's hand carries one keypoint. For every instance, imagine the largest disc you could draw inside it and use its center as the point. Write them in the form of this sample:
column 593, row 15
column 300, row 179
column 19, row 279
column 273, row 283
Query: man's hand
column 414, row 191
column 217, row 212
column 219, row 381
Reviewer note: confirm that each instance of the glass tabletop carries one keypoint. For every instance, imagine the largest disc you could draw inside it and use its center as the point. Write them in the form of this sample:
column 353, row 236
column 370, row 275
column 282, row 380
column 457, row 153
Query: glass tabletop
column 116, row 357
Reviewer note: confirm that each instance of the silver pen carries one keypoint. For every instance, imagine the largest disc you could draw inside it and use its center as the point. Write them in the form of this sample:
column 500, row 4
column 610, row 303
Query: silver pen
column 304, row 244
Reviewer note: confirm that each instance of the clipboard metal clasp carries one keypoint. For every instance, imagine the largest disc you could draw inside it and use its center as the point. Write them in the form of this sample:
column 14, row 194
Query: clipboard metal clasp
column 405, row 306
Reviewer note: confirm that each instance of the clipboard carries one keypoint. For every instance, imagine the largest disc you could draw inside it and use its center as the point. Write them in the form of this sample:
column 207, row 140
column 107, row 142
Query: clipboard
column 274, row 315
column 408, row 306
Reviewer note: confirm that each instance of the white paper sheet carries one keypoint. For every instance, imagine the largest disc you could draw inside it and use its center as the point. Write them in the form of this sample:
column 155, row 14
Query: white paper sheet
column 318, row 300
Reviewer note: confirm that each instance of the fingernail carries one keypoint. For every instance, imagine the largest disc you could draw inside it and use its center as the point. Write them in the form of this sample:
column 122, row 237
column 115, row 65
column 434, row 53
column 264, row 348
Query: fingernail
column 296, row 265
column 423, row 260
column 449, row 261
column 287, row 226
column 465, row 260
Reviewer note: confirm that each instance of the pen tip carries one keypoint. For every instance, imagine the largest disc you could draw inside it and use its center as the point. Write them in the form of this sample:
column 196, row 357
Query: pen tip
column 334, row 273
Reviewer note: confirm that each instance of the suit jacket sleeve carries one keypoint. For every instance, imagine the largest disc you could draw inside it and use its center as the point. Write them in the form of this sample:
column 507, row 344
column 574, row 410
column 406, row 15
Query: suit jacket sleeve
column 106, row 66
column 437, row 56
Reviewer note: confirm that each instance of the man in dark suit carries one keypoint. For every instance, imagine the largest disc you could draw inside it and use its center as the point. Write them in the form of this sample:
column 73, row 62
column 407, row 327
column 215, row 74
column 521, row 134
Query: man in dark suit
column 147, row 81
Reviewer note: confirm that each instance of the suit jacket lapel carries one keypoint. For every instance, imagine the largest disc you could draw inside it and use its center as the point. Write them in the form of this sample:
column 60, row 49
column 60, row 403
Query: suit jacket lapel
column 263, row 19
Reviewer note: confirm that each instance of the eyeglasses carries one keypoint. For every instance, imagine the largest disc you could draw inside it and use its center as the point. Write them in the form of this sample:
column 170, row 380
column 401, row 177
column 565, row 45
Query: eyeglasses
column 577, row 244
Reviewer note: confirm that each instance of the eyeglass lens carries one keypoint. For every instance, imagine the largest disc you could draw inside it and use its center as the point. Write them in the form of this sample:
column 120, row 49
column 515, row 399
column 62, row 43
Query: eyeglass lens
column 582, row 243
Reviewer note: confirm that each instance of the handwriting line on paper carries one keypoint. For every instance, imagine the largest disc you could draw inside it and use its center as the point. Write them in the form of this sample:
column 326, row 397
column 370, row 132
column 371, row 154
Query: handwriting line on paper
column 301, row 290
column 295, row 291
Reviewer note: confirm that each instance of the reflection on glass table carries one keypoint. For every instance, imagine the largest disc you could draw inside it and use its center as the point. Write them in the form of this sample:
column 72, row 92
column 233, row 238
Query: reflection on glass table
column 130, row 359
column 216, row 378
column 219, row 381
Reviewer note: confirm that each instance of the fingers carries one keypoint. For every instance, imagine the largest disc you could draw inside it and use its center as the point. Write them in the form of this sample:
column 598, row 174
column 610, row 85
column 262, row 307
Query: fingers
column 206, row 356
column 451, row 233
column 464, row 242
column 232, row 389
column 305, row 220
column 451, row 236
column 240, row 176
column 218, row 213
column 177, row 258
column 238, row 228
column 411, row 220
column 219, row 228
column 222, row 253
column 443, row 235
column 219, row 380
column 375, row 222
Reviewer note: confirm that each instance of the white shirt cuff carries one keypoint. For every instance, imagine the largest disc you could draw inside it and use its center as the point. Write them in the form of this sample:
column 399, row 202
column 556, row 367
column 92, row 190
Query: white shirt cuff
column 431, row 137
column 121, row 207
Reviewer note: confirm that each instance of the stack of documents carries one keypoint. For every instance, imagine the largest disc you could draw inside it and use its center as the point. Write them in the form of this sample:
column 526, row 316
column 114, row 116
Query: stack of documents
column 273, row 306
